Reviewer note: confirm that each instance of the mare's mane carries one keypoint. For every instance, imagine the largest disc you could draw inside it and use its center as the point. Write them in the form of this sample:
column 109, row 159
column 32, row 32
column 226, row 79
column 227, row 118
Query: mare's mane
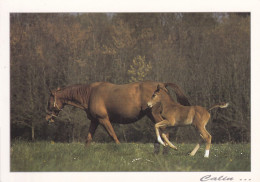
column 166, row 94
column 75, row 92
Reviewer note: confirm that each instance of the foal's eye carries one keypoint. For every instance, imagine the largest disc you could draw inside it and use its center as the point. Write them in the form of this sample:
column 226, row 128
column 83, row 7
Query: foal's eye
column 153, row 95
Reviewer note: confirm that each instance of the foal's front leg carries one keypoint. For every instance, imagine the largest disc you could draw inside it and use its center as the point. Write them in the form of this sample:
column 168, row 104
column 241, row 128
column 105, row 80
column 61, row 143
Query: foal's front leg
column 168, row 142
column 163, row 123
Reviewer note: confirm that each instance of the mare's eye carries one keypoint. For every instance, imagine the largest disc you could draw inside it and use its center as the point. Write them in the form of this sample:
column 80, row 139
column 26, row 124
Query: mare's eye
column 153, row 95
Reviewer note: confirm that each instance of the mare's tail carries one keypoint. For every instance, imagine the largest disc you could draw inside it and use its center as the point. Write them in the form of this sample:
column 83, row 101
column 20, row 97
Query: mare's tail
column 219, row 105
column 181, row 98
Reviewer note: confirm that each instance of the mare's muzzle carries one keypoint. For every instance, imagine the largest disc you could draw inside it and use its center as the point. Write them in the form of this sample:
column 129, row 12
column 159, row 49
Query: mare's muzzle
column 50, row 117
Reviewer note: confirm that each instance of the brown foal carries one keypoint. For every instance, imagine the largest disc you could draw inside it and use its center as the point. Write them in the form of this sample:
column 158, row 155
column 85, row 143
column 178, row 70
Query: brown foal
column 175, row 114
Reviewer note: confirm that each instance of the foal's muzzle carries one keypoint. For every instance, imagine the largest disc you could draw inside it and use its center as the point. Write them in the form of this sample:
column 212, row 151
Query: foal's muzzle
column 149, row 104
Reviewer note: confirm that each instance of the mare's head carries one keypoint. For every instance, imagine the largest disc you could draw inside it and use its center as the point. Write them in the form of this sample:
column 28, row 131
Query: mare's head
column 55, row 105
column 157, row 96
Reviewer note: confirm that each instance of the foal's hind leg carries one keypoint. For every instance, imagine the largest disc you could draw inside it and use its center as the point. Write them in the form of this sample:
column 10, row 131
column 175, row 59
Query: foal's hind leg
column 200, row 124
column 207, row 138
column 194, row 151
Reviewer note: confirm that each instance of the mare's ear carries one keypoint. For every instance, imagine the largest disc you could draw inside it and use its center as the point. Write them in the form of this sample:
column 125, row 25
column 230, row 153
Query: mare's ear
column 51, row 92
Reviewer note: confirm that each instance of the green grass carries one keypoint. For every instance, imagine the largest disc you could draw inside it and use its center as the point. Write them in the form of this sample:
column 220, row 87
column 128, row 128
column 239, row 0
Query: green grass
column 47, row 156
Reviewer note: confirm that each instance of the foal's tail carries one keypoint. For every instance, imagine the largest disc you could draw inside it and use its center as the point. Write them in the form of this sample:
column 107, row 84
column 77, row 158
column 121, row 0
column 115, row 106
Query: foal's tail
column 181, row 98
column 220, row 105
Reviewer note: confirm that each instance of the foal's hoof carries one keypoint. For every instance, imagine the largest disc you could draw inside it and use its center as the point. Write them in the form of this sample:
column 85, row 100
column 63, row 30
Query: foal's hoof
column 175, row 148
column 163, row 144
column 190, row 154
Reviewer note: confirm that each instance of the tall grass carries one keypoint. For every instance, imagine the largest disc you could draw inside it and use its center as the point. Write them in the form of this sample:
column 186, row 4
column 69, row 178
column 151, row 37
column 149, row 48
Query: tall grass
column 50, row 156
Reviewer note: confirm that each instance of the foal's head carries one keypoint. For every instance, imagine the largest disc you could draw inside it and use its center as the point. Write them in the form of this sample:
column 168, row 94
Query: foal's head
column 157, row 96
column 55, row 105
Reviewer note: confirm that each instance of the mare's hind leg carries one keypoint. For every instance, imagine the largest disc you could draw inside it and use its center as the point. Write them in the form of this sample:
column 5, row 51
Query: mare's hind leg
column 93, row 126
column 106, row 123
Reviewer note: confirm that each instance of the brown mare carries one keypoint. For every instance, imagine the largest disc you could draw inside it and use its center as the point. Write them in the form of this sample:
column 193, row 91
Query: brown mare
column 175, row 114
column 106, row 102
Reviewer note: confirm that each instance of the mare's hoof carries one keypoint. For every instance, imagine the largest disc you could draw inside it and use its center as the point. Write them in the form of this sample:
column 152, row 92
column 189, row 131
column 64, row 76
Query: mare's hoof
column 165, row 151
column 156, row 148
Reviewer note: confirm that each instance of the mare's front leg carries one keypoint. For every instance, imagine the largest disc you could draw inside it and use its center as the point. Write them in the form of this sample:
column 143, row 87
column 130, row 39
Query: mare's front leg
column 93, row 126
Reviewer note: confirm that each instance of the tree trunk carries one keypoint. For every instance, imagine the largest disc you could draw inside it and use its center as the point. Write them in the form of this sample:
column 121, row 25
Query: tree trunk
column 33, row 138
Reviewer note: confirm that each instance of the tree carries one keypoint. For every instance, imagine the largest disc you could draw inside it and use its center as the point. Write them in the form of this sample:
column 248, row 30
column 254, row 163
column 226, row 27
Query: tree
column 139, row 69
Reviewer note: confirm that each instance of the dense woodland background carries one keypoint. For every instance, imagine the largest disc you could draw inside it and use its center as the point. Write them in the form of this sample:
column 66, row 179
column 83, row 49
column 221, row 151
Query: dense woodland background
column 206, row 54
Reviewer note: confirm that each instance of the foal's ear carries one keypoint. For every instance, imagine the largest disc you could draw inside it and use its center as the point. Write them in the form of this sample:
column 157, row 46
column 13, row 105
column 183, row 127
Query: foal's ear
column 158, row 88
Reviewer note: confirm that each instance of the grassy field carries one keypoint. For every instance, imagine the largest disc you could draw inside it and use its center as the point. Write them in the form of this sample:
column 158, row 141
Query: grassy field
column 50, row 156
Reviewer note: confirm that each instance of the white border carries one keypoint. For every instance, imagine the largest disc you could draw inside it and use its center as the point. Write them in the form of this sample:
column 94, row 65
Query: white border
column 8, row 6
